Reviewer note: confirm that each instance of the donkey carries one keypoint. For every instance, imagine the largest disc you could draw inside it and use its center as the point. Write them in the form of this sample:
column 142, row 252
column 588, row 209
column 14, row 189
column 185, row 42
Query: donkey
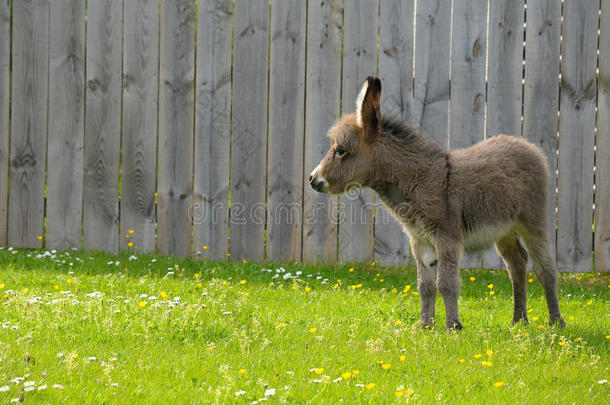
column 447, row 201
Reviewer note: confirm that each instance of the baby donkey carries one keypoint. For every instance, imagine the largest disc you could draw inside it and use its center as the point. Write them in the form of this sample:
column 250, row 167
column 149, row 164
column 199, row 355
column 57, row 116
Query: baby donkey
column 448, row 201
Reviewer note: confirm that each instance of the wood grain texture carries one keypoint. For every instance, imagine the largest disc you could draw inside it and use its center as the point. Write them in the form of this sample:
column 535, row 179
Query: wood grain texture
column 29, row 122
column 139, row 139
column 212, row 130
column 577, row 135
column 602, row 175
column 66, row 125
column 432, row 49
column 360, row 23
column 102, row 126
column 5, row 91
column 323, row 93
column 176, row 127
column 286, row 126
column 504, row 79
column 541, row 92
column 396, row 72
column 467, row 107
column 249, row 130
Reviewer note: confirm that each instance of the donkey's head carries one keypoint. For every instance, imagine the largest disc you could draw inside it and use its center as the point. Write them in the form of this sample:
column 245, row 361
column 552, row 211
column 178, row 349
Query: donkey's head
column 350, row 159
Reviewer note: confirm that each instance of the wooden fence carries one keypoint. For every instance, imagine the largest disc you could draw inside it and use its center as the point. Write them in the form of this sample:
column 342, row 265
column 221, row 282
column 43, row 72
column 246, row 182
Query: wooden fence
column 188, row 127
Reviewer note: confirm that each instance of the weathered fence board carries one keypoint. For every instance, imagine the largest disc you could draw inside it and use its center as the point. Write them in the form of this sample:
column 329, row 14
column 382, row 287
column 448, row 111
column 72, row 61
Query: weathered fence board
column 5, row 58
column 176, row 126
column 432, row 48
column 577, row 135
column 360, row 23
column 467, row 106
column 139, row 139
column 602, row 161
column 66, row 124
column 28, row 122
column 541, row 91
column 210, row 211
column 249, row 129
column 396, row 73
column 504, row 82
column 102, row 125
column 323, row 84
column 286, row 130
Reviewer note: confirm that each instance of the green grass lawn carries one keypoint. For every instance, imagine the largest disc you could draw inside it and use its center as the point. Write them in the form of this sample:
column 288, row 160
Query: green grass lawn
column 77, row 327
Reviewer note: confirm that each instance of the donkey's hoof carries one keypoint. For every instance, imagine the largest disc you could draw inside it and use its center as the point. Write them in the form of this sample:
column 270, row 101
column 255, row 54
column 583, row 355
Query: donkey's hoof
column 520, row 321
column 454, row 324
column 558, row 322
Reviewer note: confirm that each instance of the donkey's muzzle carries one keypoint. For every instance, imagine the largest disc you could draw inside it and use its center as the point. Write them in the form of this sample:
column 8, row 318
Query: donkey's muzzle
column 316, row 184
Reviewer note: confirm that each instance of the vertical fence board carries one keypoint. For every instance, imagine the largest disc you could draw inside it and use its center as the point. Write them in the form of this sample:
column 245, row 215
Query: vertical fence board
column 176, row 127
column 139, row 139
column 396, row 73
column 541, row 91
column 286, row 126
column 249, row 129
column 29, row 122
column 577, row 135
column 432, row 48
column 102, row 125
column 5, row 49
column 359, row 61
column 602, row 161
column 66, row 125
column 504, row 81
column 323, row 84
column 212, row 129
column 468, row 59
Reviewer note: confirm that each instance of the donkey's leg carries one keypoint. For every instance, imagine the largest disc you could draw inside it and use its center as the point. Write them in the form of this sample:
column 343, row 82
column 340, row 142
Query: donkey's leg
column 515, row 258
column 425, row 257
column 448, row 280
column 544, row 266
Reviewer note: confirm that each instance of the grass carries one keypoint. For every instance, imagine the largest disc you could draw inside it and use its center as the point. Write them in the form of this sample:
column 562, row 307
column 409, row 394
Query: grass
column 96, row 328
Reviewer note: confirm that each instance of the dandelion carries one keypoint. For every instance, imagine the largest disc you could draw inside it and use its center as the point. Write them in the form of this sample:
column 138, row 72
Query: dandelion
column 281, row 325
column 319, row 370
column 244, row 261
column 490, row 286
column 489, row 352
column 25, row 289
column 571, row 317
column 386, row 366
column 381, row 281
column 199, row 285
column 56, row 287
column 461, row 361
column 578, row 278
column 577, row 340
column 529, row 311
column 241, row 371
column 313, row 330
column 478, row 356
column 530, row 280
column 590, row 302
column 607, row 336
column 562, row 342
column 307, row 289
column 242, row 282
column 492, row 292
column 498, row 384
column 472, row 278
column 399, row 394
column 196, row 275
column 370, row 386
column 224, row 283
column 142, row 304
column 407, row 288
column 540, row 326
column 534, row 318
column 163, row 295
column 397, row 323
column 373, row 264
column 351, row 270
column 69, row 280
column 355, row 286
column 131, row 232
column 347, row 375
column 486, row 363
column 408, row 392
column 40, row 237
column 130, row 244
column 228, row 254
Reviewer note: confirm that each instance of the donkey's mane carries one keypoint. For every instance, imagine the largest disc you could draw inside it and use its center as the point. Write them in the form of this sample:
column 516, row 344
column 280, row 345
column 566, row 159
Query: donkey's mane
column 408, row 134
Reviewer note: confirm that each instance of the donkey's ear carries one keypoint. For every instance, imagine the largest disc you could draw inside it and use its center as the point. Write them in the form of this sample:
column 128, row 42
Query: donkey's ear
column 367, row 105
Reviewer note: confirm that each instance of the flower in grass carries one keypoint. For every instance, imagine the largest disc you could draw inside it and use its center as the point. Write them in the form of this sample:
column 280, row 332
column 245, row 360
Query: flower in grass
column 370, row 386
column 242, row 282
column 486, row 363
column 407, row 288
column 561, row 342
column 498, row 384
column 4, row 388
column 244, row 261
column 205, row 247
column 578, row 278
column 25, row 289
column 196, row 275
column 269, row 392
column 386, row 366
column 130, row 244
column 313, row 330
column 492, row 292
column 489, row 352
column 307, row 289
column 318, row 370
column 199, row 285
column 131, row 232
column 69, row 280
column 241, row 371
column 397, row 323
column 239, row 393
column 490, row 286
column 142, row 304
column 163, row 295
column 399, row 394
column 472, row 278
column 534, row 318
column 478, row 356
column 355, row 286
column 462, row 361
column 530, row 280
column 590, row 302
column 56, row 287
column 224, row 283
column 540, row 326
column 607, row 336
column 571, row 317
column 281, row 325
column 40, row 237
column 347, row 375
column 351, row 270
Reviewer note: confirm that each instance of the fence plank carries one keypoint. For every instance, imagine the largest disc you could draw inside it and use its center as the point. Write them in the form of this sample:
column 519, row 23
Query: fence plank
column 577, row 135
column 602, row 176
column 139, row 140
column 286, row 126
column 29, row 122
column 467, row 107
column 212, row 129
column 359, row 61
column 541, row 91
column 66, row 125
column 249, row 129
column 323, row 84
column 432, row 48
column 396, row 73
column 176, row 126
column 102, row 125
column 5, row 49
column 504, row 82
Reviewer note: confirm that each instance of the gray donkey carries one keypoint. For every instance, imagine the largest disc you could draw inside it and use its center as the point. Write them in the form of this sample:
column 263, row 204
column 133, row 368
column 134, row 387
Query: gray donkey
column 447, row 201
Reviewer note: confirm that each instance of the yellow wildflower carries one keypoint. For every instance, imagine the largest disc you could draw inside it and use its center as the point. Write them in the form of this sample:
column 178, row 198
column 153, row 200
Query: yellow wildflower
column 130, row 244
column 199, row 285
column 472, row 278
column 530, row 280
column 39, row 237
column 562, row 342
column 486, row 363
column 534, row 318
column 142, row 304
column 489, row 352
column 319, row 370
column 131, row 232
column 478, row 356
column 242, row 282
column 163, row 295
column 205, row 247
column 307, row 289
column 399, row 394
column 397, row 322
column 351, row 269
column 386, row 366
column 529, row 311
column 490, row 286
column 244, row 261
column 241, row 371
column 402, row 357
column 370, row 386
column 56, row 287
column 498, row 384
column 69, row 280
column 408, row 392
column 462, row 361
column 578, row 278
column 313, row 330
column 347, row 375
column 281, row 325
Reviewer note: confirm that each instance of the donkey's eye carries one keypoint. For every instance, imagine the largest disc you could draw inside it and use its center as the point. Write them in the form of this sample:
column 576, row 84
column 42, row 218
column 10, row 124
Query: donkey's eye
column 340, row 152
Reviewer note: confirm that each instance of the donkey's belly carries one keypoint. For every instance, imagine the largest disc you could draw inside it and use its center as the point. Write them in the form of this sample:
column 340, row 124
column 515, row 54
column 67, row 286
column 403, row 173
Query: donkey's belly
column 485, row 236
